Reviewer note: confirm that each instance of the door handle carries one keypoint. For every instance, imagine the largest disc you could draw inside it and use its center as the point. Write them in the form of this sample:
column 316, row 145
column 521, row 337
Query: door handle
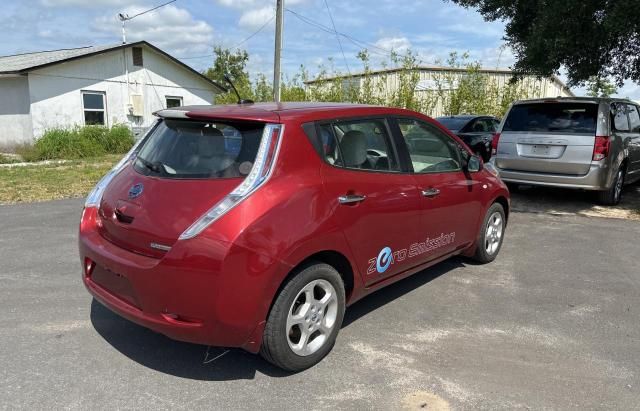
column 430, row 192
column 351, row 199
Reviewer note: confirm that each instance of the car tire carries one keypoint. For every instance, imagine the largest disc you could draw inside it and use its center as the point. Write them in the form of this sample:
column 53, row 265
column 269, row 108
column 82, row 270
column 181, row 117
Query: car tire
column 301, row 329
column 613, row 195
column 491, row 234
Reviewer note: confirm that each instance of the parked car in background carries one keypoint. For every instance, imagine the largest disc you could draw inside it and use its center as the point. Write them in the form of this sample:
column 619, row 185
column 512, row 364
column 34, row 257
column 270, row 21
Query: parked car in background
column 263, row 244
column 586, row 143
column 476, row 131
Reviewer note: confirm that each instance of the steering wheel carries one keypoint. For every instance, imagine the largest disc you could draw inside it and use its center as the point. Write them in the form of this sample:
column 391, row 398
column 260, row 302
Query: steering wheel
column 376, row 153
column 446, row 165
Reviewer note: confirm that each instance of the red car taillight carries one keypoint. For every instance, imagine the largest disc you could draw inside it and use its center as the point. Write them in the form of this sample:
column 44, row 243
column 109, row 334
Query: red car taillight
column 494, row 144
column 601, row 148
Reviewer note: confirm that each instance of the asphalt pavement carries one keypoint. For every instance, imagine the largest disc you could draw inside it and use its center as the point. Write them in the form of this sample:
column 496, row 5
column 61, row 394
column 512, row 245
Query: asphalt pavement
column 553, row 323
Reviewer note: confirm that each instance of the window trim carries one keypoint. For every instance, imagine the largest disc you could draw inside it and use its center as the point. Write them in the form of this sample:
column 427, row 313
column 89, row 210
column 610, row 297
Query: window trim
column 456, row 145
column 174, row 98
column 104, row 106
column 390, row 134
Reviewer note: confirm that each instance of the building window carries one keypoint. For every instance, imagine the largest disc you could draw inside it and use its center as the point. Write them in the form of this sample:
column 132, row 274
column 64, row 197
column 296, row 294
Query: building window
column 172, row 101
column 93, row 105
column 137, row 56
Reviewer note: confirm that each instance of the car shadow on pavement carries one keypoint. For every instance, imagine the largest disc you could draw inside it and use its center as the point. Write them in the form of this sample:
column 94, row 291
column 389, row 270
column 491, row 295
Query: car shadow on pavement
column 559, row 201
column 199, row 362
column 396, row 290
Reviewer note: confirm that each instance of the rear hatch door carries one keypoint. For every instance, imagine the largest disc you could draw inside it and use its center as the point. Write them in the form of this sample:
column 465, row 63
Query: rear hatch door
column 548, row 137
column 183, row 169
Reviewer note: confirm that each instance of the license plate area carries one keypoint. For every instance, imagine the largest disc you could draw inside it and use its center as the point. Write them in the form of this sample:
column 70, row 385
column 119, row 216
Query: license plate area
column 116, row 284
column 540, row 150
column 543, row 151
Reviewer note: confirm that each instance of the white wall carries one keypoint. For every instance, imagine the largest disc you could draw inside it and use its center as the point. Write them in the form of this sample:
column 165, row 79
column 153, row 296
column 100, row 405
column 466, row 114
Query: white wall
column 56, row 99
column 15, row 118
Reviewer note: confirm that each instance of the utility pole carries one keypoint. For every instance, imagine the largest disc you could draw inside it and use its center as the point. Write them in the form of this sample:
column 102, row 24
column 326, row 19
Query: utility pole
column 278, row 48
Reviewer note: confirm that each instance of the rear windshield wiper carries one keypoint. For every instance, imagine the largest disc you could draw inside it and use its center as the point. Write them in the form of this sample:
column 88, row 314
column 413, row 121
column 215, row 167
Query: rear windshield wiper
column 157, row 166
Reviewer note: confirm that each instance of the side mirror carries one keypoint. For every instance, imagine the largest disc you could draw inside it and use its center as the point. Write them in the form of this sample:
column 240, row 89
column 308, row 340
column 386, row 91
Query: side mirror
column 474, row 164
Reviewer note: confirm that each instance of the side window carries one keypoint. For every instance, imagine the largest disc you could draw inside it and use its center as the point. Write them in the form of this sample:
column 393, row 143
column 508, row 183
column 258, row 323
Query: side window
column 431, row 150
column 634, row 119
column 496, row 125
column 619, row 117
column 481, row 126
column 360, row 144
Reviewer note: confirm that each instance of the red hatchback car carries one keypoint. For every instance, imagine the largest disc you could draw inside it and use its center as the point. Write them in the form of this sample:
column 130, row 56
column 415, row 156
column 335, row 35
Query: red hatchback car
column 256, row 225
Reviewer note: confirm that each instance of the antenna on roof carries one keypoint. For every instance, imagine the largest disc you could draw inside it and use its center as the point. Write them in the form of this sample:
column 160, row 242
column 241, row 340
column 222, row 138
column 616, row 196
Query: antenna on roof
column 227, row 77
column 123, row 17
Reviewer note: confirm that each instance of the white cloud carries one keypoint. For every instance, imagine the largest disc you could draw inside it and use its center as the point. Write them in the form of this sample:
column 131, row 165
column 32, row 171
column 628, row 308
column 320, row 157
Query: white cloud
column 398, row 44
column 255, row 13
column 256, row 18
column 171, row 28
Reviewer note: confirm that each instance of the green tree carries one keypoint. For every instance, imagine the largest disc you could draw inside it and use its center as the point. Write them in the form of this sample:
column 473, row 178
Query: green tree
column 592, row 38
column 234, row 64
column 597, row 87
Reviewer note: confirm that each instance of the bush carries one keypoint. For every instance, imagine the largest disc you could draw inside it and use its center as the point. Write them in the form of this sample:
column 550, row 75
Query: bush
column 61, row 143
column 118, row 140
column 79, row 142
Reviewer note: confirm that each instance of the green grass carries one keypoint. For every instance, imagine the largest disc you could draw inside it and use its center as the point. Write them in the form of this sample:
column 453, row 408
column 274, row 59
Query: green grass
column 78, row 143
column 49, row 182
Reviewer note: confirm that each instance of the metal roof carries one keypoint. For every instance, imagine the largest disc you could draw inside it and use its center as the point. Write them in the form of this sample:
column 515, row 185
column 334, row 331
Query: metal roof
column 26, row 61
column 23, row 63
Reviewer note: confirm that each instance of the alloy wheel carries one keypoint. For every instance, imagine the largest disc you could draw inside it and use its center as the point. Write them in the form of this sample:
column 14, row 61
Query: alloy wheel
column 312, row 317
column 493, row 234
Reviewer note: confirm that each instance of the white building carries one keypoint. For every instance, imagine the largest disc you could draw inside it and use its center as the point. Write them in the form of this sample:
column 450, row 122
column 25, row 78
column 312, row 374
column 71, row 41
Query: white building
column 116, row 84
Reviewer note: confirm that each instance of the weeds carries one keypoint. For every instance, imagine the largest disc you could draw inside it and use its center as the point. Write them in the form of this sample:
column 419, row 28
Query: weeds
column 78, row 143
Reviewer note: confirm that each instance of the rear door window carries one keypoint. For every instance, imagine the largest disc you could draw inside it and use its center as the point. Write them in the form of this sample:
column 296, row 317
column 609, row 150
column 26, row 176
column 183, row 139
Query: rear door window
column 359, row 144
column 569, row 118
column 199, row 150
column 619, row 117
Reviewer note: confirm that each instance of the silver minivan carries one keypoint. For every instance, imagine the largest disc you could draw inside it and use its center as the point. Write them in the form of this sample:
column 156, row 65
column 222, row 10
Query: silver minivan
column 572, row 142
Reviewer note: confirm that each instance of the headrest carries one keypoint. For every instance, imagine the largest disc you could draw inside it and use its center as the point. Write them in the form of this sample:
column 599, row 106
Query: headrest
column 211, row 142
column 354, row 148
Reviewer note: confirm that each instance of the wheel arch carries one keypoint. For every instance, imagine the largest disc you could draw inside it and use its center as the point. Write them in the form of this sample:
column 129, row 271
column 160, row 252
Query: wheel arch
column 504, row 203
column 333, row 258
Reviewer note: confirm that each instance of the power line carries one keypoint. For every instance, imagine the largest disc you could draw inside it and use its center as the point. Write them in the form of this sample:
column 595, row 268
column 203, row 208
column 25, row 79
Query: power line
column 358, row 43
column 147, row 11
column 252, row 35
column 337, row 37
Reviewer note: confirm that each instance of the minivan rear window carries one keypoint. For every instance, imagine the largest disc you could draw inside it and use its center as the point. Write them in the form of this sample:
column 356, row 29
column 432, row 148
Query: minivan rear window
column 570, row 118
column 199, row 150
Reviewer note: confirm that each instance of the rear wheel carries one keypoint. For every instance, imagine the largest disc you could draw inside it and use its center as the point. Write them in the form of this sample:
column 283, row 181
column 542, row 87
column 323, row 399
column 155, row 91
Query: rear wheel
column 491, row 234
column 613, row 195
column 305, row 319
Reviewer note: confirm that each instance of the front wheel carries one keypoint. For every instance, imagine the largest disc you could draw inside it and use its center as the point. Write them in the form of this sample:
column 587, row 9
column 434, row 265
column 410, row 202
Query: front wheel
column 491, row 234
column 613, row 195
column 305, row 319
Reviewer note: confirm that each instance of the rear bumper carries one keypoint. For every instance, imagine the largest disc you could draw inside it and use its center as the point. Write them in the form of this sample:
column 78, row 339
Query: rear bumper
column 596, row 179
column 197, row 293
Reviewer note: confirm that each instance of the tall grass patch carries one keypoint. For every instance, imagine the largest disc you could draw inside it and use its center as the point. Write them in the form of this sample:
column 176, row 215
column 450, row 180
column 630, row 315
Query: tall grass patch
column 79, row 142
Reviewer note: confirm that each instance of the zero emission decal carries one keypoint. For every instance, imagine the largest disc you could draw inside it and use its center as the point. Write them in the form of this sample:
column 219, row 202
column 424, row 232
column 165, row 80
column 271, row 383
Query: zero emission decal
column 387, row 257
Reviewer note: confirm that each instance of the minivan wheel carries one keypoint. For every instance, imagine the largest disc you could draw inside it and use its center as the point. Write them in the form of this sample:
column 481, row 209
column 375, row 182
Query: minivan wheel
column 491, row 234
column 305, row 318
column 613, row 195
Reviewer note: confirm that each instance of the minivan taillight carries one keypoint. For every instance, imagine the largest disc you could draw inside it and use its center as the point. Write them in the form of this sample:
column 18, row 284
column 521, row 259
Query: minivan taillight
column 494, row 144
column 601, row 148
column 260, row 172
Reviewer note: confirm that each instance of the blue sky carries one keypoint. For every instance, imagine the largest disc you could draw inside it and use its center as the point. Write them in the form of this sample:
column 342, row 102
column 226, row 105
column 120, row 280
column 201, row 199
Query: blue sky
column 188, row 29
